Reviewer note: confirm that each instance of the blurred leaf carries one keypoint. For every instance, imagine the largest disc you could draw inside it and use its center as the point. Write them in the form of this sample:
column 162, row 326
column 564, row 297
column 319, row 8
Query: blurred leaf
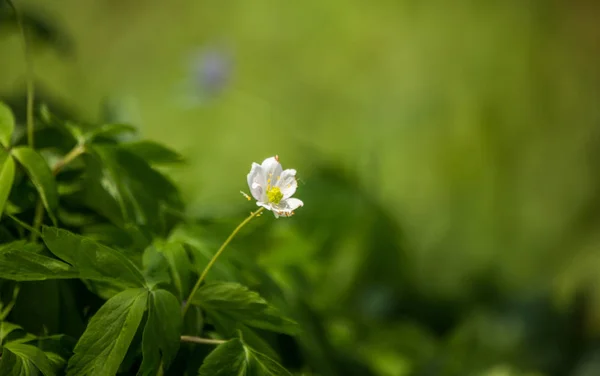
column 92, row 260
column 153, row 152
column 235, row 358
column 162, row 332
column 6, row 307
column 109, row 131
column 103, row 345
column 7, row 125
column 19, row 264
column 69, row 128
column 41, row 29
column 7, row 176
column 23, row 359
column 40, row 175
column 240, row 304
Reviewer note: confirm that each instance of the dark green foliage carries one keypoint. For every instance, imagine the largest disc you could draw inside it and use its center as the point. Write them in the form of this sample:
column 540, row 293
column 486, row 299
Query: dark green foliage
column 235, row 302
column 97, row 236
column 236, row 358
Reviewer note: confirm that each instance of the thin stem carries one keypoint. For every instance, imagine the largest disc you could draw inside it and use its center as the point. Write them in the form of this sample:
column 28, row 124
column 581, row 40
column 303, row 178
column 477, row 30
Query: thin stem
column 29, row 74
column 203, row 341
column 39, row 208
column 74, row 153
column 37, row 220
column 214, row 258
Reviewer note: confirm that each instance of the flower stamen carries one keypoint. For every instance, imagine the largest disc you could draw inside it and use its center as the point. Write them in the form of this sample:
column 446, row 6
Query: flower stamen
column 274, row 195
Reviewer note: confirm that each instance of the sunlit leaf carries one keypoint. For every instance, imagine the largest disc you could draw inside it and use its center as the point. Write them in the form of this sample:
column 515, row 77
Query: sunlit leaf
column 235, row 358
column 40, row 175
column 162, row 332
column 238, row 303
column 93, row 260
column 103, row 345
column 7, row 176
column 20, row 359
column 7, row 125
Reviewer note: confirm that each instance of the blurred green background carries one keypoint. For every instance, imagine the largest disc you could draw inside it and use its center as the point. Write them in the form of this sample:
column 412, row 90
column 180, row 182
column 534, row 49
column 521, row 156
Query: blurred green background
column 448, row 155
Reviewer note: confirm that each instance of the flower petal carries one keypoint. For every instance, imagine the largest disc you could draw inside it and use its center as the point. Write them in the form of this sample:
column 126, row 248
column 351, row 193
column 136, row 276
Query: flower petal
column 257, row 182
column 272, row 169
column 286, row 207
column 287, row 183
column 293, row 203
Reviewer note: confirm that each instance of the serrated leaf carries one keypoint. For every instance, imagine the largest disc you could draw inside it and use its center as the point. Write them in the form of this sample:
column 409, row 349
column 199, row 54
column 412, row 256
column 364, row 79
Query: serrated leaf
column 153, row 152
column 19, row 263
column 7, row 176
column 235, row 358
column 229, row 329
column 162, row 332
column 103, row 345
column 20, row 359
column 110, row 131
column 93, row 260
column 242, row 305
column 7, row 125
column 41, row 176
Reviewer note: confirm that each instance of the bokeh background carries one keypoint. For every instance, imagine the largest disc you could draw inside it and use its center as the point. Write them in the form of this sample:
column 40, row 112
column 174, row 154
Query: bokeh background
column 448, row 155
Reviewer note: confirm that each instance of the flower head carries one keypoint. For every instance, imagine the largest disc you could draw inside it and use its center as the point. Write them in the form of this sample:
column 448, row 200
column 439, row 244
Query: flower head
column 273, row 187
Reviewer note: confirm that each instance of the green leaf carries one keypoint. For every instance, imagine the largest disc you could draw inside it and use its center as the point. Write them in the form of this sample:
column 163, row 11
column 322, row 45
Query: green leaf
column 230, row 329
column 7, row 176
column 162, row 332
column 40, row 175
column 110, row 131
column 69, row 128
column 7, row 125
column 93, row 260
column 238, row 303
column 172, row 258
column 153, row 152
column 142, row 192
column 6, row 328
column 235, row 358
column 20, row 359
column 19, row 263
column 103, row 345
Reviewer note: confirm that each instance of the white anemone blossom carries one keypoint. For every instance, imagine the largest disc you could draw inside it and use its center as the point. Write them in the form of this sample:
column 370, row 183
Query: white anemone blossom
column 273, row 187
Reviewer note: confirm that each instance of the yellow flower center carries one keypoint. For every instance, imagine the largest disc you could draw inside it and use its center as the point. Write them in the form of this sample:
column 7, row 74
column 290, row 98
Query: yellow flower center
column 274, row 195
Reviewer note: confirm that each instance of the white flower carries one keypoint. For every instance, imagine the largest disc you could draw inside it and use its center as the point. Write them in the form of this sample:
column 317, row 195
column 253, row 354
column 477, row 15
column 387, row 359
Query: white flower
column 273, row 187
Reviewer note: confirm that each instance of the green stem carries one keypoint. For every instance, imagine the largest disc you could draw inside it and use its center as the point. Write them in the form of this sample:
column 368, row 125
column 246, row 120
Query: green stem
column 37, row 220
column 28, row 75
column 39, row 208
column 202, row 341
column 214, row 258
column 74, row 153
